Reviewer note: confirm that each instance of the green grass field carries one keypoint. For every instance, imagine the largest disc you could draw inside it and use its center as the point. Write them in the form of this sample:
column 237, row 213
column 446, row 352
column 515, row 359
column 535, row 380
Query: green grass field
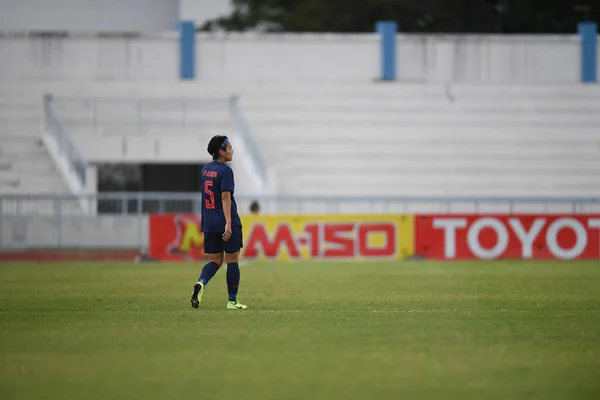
column 412, row 330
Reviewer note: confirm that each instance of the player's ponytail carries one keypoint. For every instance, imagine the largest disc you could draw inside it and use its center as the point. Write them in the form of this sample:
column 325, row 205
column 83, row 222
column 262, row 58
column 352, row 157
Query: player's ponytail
column 217, row 143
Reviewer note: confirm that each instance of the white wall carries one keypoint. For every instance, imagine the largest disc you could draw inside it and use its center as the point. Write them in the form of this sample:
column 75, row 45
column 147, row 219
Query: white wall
column 171, row 147
column 107, row 231
column 89, row 15
column 255, row 58
column 288, row 57
column 489, row 58
column 434, row 58
column 145, row 58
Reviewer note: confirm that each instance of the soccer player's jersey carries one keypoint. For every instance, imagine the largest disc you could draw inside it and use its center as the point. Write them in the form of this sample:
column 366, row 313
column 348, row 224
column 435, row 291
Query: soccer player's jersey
column 217, row 177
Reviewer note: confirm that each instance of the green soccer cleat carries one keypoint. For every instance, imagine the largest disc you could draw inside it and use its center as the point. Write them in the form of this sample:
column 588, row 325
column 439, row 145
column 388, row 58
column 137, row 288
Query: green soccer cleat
column 236, row 305
column 196, row 298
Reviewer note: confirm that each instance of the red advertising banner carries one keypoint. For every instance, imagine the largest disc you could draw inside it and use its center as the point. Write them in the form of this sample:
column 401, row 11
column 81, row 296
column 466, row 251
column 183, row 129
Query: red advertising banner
column 466, row 237
column 175, row 237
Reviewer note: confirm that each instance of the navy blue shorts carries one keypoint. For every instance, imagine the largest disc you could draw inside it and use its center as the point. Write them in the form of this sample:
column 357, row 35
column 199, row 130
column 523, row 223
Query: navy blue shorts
column 214, row 243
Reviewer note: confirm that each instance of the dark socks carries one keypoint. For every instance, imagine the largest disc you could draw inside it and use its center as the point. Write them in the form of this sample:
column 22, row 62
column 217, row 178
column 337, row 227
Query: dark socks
column 208, row 272
column 233, row 280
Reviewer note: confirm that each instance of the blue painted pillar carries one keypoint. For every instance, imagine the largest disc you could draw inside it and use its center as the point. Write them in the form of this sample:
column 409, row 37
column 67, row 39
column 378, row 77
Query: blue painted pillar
column 387, row 31
column 588, row 32
column 187, row 49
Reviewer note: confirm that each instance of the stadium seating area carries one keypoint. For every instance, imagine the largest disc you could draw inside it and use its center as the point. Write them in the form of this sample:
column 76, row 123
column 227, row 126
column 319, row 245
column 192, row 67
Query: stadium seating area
column 345, row 139
column 425, row 140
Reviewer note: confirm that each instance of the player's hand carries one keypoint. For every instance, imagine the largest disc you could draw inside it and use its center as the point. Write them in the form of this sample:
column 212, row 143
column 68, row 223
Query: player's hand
column 227, row 233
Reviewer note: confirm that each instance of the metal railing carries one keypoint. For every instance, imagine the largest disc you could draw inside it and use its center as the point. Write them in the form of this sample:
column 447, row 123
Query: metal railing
column 255, row 151
column 135, row 203
column 119, row 220
column 57, row 131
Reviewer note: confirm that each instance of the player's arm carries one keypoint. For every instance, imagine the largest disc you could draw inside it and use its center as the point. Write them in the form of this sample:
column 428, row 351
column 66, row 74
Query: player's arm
column 226, row 199
column 226, row 192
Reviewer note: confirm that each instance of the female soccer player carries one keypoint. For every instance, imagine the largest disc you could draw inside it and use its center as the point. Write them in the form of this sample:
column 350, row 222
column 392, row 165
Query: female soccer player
column 220, row 223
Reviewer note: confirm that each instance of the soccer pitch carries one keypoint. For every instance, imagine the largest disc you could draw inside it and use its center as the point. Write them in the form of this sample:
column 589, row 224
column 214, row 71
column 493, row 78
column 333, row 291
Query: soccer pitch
column 386, row 330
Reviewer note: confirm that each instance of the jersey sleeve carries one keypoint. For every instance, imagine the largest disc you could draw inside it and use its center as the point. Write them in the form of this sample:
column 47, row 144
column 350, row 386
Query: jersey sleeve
column 227, row 180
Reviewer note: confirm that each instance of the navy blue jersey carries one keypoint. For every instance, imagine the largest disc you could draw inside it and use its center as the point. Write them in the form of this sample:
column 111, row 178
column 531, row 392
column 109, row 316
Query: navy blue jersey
column 217, row 178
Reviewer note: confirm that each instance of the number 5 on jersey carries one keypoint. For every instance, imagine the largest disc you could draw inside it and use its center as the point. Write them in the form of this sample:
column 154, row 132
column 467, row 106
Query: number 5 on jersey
column 209, row 202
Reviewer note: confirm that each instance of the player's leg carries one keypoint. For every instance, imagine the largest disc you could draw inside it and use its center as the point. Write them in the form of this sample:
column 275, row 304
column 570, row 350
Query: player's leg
column 215, row 260
column 213, row 248
column 232, row 258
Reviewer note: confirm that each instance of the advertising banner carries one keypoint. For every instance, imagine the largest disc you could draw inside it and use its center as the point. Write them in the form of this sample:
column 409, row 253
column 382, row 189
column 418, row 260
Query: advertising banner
column 466, row 237
column 333, row 237
column 175, row 237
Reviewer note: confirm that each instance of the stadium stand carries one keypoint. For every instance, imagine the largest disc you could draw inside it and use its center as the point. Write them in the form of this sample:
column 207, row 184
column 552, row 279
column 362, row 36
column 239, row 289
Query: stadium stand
column 431, row 140
column 410, row 139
